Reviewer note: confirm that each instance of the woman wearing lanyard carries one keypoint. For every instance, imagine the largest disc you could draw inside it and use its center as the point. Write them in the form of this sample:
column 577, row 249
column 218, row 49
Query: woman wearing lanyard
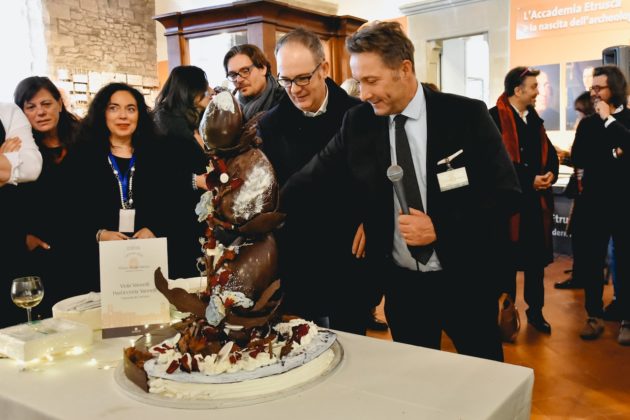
column 119, row 157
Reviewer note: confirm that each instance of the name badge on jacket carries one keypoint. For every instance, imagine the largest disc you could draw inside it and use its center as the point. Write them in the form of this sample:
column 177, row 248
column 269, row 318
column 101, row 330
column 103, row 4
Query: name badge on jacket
column 452, row 178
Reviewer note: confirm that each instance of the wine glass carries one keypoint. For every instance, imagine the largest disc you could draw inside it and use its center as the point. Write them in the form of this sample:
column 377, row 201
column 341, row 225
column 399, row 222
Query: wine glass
column 27, row 292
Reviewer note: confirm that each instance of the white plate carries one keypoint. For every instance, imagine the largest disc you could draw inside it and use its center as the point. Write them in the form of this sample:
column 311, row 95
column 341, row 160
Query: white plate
column 133, row 391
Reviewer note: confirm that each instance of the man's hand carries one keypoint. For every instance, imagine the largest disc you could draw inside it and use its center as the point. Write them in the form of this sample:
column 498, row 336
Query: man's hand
column 416, row 228
column 543, row 182
column 144, row 233
column 603, row 109
column 33, row 242
column 358, row 244
column 12, row 144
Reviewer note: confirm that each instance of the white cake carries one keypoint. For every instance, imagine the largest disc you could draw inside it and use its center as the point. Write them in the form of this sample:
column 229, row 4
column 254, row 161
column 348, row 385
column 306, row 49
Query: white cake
column 85, row 309
column 287, row 359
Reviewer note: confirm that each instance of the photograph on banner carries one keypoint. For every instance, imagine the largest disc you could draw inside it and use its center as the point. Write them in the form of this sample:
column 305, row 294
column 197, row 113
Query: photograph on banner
column 548, row 99
column 579, row 79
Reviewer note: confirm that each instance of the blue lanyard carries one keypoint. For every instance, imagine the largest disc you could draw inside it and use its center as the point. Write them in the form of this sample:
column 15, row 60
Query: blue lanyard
column 123, row 179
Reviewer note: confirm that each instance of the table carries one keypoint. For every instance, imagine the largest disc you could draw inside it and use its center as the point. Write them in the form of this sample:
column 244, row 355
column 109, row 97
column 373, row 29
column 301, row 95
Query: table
column 377, row 379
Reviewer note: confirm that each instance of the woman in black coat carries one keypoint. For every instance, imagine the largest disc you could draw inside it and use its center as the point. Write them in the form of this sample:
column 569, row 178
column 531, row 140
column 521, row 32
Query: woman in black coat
column 177, row 113
column 119, row 162
column 49, row 250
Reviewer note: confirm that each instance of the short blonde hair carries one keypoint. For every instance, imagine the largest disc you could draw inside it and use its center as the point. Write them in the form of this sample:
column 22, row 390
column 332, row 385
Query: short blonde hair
column 351, row 86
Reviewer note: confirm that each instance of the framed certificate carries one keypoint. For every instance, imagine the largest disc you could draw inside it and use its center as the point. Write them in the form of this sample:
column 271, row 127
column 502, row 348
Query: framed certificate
column 130, row 303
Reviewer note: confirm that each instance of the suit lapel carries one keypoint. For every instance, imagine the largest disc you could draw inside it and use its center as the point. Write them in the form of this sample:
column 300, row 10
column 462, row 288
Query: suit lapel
column 434, row 146
column 380, row 140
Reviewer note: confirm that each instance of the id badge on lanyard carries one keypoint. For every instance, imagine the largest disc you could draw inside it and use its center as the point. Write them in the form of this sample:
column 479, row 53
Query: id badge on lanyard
column 127, row 220
column 127, row 215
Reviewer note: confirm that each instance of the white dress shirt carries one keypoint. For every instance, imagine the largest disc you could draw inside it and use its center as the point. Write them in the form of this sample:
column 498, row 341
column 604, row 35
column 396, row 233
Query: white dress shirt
column 321, row 110
column 27, row 162
column 416, row 130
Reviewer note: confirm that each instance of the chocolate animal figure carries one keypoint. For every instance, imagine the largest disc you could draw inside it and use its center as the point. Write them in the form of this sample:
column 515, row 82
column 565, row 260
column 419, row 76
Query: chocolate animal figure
column 240, row 209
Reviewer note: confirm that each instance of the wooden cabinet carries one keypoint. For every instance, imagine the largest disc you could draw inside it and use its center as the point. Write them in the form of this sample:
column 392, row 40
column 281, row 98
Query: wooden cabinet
column 263, row 22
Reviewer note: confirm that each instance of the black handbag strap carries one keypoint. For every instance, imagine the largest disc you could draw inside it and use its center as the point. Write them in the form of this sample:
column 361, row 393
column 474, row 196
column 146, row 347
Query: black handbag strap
column 2, row 133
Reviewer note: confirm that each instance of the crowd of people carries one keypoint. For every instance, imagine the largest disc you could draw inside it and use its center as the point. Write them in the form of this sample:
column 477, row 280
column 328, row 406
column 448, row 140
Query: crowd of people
column 474, row 204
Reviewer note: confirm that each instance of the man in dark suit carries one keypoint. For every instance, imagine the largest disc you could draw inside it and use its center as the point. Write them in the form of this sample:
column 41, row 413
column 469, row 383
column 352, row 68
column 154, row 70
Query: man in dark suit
column 601, row 148
column 465, row 180
column 320, row 276
column 536, row 163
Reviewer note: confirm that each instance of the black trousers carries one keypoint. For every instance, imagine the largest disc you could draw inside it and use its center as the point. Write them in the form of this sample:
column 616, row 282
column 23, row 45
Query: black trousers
column 534, row 287
column 419, row 306
column 590, row 250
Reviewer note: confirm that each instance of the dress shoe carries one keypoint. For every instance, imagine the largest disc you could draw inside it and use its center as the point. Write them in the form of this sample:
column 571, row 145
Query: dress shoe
column 624, row 334
column 593, row 329
column 376, row 324
column 536, row 320
column 611, row 312
column 568, row 284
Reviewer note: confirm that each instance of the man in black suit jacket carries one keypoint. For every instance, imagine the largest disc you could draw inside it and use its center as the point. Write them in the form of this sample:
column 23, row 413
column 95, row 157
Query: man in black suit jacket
column 601, row 147
column 456, row 290
column 318, row 273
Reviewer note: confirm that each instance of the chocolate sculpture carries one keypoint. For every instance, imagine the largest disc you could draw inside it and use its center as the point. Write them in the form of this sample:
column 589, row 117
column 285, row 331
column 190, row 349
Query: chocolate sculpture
column 240, row 253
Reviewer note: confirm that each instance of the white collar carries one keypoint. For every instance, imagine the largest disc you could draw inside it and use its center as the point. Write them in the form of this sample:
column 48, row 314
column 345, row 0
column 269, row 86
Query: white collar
column 321, row 110
column 415, row 108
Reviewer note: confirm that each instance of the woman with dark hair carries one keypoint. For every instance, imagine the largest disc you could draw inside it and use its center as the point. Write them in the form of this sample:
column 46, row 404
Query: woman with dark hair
column 120, row 167
column 45, row 216
column 177, row 113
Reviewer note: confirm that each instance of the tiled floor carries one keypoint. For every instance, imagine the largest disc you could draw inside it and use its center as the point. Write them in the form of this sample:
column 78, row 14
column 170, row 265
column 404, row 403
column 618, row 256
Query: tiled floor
column 575, row 379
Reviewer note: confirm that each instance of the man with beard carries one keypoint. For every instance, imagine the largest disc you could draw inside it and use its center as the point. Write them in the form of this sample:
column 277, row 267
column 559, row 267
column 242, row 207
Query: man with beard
column 247, row 67
column 600, row 148
column 536, row 163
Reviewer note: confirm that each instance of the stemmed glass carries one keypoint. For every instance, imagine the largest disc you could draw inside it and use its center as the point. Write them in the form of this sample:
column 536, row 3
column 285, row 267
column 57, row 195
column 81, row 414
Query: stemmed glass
column 27, row 292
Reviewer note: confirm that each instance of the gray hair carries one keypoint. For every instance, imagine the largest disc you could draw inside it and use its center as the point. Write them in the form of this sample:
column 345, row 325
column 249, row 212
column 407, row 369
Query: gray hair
column 305, row 38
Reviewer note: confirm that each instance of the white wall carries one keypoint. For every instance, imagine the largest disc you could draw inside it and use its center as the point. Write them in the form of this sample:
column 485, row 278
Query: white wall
column 453, row 66
column 371, row 9
column 488, row 16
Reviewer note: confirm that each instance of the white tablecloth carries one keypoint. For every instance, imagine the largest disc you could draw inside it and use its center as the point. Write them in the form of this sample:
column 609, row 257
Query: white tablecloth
column 376, row 380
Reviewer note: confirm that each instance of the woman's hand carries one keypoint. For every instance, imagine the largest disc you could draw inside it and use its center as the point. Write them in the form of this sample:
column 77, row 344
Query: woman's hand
column 12, row 144
column 110, row 235
column 358, row 244
column 144, row 233
column 33, row 242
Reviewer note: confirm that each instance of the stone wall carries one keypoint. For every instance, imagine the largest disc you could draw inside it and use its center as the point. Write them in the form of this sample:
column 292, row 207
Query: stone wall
column 94, row 42
column 101, row 35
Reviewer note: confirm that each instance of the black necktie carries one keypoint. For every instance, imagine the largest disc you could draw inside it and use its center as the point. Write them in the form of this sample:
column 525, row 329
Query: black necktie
column 410, row 183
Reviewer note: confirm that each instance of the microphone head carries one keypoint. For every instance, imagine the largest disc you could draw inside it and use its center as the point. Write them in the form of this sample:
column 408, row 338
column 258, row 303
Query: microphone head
column 395, row 173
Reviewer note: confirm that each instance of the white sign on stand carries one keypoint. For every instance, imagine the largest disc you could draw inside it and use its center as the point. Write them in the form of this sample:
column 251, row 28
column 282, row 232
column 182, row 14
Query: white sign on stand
column 130, row 303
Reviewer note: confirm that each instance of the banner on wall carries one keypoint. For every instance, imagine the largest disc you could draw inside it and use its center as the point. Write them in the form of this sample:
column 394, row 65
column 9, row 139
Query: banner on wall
column 544, row 18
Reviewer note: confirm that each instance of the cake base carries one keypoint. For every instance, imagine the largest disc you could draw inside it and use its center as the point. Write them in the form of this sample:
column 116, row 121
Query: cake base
column 133, row 391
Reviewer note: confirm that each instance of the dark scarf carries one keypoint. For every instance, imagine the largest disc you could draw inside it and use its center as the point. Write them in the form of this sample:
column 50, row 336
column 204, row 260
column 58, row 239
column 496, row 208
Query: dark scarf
column 267, row 99
column 510, row 140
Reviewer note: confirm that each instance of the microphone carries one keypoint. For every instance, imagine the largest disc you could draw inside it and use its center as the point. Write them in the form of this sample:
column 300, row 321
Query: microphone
column 395, row 174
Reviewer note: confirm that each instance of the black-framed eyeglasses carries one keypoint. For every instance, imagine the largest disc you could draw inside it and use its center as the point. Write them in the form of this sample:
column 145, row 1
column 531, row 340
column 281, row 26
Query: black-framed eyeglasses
column 300, row 80
column 597, row 89
column 244, row 73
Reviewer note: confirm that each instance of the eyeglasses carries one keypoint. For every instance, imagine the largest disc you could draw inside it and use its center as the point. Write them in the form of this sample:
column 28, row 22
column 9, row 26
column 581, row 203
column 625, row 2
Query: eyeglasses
column 527, row 70
column 300, row 80
column 596, row 88
column 244, row 73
